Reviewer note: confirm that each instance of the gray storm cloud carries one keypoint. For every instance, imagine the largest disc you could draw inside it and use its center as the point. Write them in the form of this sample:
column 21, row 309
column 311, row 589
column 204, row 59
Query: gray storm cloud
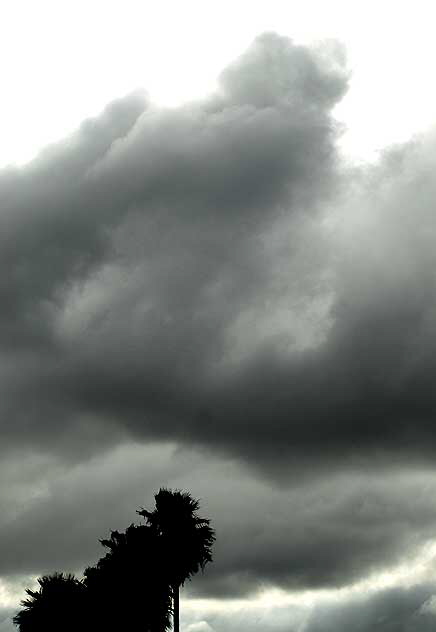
column 212, row 279
column 133, row 248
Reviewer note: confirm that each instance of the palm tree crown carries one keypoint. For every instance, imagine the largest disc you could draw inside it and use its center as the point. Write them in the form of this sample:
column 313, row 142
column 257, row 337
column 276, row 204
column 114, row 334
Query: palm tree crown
column 59, row 603
column 187, row 537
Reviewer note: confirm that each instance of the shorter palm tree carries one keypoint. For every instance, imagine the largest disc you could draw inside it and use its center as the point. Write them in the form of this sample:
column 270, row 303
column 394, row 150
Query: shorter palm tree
column 58, row 604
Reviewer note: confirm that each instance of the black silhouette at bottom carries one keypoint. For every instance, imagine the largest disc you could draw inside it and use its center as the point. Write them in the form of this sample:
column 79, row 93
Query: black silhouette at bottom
column 135, row 585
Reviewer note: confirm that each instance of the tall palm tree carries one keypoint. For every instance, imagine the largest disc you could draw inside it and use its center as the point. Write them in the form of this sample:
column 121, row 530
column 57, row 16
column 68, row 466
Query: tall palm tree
column 186, row 537
column 58, row 604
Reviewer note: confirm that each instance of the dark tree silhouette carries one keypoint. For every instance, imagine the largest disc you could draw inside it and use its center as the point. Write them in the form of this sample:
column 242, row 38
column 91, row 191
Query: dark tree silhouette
column 186, row 539
column 135, row 585
column 127, row 587
column 58, row 604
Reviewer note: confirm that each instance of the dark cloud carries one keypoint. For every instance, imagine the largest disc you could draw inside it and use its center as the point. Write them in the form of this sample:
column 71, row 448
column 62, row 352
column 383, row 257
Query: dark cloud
column 271, row 338
column 213, row 277
column 133, row 248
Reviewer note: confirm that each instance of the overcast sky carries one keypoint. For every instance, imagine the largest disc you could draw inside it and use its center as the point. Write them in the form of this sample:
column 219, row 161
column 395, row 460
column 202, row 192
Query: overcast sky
column 217, row 253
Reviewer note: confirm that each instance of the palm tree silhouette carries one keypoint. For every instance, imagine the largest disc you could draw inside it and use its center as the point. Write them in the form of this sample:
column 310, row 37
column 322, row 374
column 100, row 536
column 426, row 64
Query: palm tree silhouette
column 186, row 538
column 127, row 587
column 59, row 603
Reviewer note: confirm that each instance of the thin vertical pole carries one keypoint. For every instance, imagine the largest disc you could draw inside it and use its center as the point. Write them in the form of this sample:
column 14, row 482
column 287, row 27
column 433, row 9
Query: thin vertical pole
column 176, row 608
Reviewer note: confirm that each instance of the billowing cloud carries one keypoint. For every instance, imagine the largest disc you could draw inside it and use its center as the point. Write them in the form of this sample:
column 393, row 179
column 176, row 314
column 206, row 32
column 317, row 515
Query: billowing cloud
column 207, row 297
column 136, row 249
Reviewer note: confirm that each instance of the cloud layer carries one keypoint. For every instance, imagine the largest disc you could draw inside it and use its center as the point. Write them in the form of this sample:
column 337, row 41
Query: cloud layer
column 135, row 248
column 397, row 610
column 207, row 297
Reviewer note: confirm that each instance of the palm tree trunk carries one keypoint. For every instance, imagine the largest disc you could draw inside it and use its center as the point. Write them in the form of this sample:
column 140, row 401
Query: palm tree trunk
column 176, row 608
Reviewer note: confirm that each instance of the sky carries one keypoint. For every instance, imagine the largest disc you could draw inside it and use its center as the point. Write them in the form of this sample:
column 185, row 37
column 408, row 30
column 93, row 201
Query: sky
column 217, row 231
